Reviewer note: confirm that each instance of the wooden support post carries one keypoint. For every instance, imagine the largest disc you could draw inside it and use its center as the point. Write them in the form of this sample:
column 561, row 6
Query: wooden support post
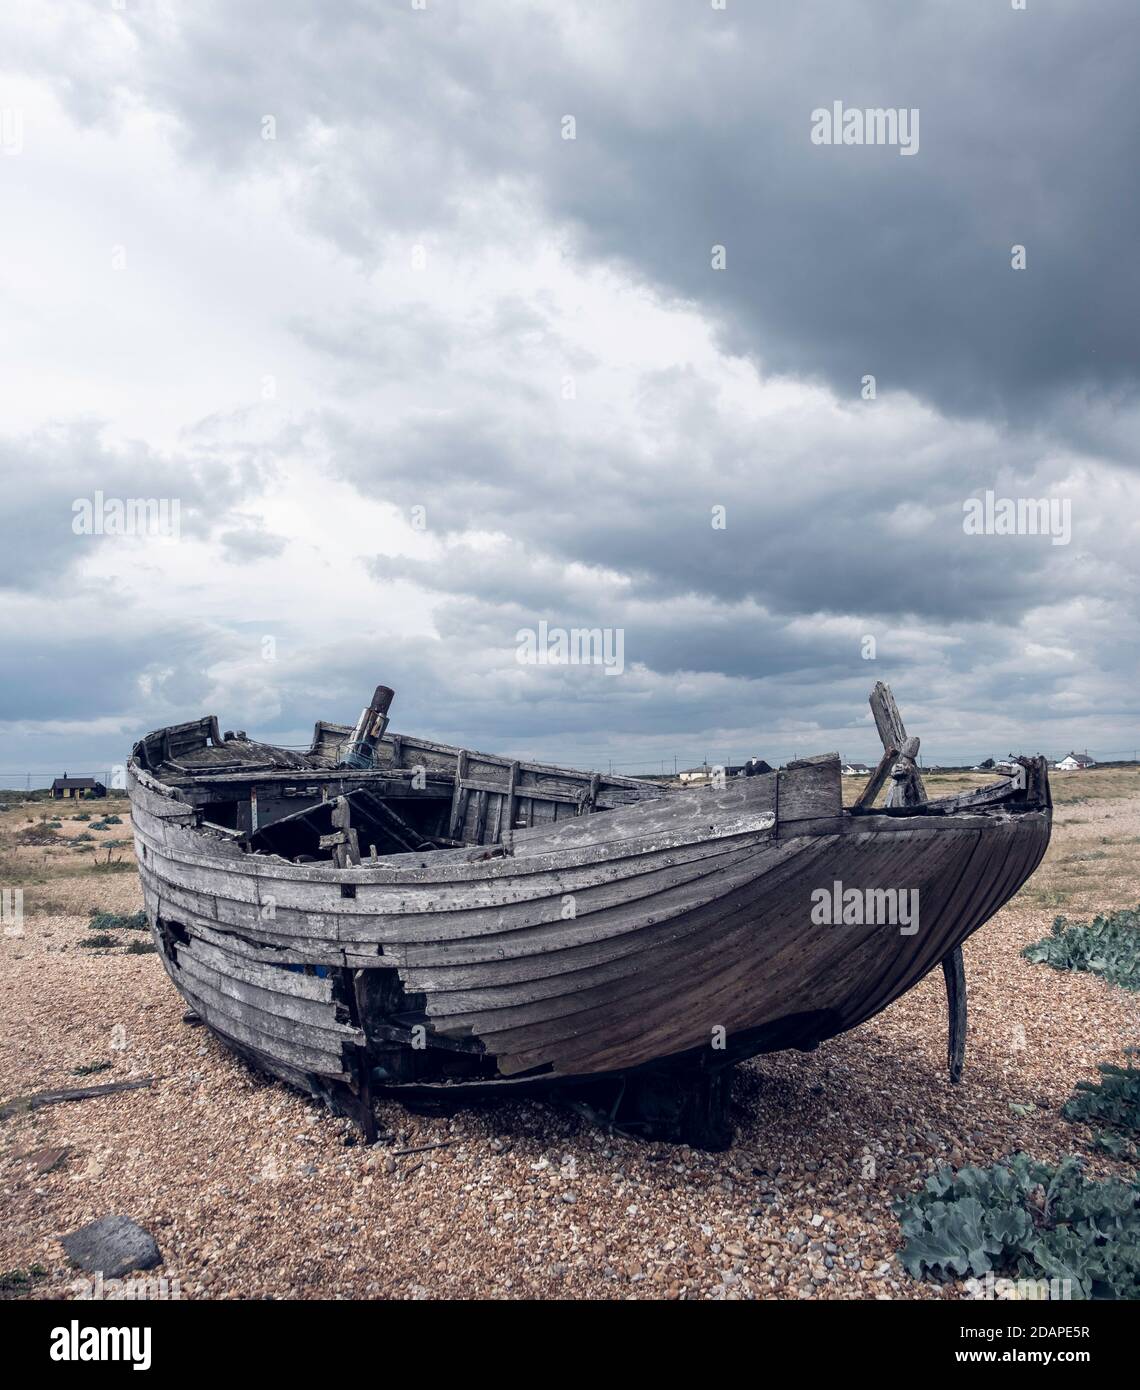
column 876, row 779
column 508, row 816
column 907, row 788
column 347, row 849
column 458, row 798
column 954, row 972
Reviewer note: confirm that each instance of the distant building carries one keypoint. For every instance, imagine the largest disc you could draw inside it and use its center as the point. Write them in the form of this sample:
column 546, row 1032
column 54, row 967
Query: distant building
column 74, row 788
column 706, row 771
column 856, row 770
column 756, row 767
column 696, row 774
column 1073, row 762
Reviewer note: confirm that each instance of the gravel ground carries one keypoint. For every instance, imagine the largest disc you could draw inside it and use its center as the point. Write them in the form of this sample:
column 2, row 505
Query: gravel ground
column 253, row 1191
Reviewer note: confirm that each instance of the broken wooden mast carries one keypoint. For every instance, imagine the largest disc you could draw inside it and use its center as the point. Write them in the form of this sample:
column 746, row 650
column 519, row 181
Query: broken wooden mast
column 900, row 756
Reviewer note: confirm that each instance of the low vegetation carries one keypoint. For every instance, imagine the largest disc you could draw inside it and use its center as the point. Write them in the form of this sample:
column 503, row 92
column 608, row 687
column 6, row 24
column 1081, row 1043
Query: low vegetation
column 114, row 921
column 1028, row 1220
column 1112, row 1107
column 15, row 1283
column 1108, row 946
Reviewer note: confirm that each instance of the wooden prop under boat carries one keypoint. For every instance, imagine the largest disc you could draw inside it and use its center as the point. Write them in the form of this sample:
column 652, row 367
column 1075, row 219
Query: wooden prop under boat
column 386, row 915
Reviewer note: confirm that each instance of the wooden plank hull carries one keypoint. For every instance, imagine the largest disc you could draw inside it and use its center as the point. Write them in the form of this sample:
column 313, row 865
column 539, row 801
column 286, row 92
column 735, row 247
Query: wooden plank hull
column 686, row 929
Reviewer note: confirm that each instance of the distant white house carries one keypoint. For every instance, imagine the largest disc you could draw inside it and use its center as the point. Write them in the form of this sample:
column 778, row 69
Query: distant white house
column 1073, row 762
column 696, row 774
column 856, row 770
column 705, row 772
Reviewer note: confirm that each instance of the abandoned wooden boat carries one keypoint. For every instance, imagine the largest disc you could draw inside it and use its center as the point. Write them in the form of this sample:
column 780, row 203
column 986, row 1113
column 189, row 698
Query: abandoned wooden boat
column 385, row 914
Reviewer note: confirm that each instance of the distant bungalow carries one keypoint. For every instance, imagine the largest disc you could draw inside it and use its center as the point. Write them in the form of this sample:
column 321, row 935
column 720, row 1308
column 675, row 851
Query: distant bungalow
column 856, row 770
column 754, row 767
column 1074, row 762
column 65, row 788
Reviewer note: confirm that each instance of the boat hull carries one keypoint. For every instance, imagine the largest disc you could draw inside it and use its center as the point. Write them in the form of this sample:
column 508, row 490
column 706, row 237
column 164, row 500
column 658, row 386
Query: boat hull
column 683, row 931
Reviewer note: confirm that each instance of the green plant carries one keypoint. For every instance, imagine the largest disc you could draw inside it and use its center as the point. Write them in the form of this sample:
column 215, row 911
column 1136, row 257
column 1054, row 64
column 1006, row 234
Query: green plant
column 40, row 833
column 1113, row 1102
column 82, row 815
column 114, row 921
column 140, row 948
column 105, row 822
column 14, row 1281
column 99, row 941
column 1109, row 946
column 1028, row 1220
column 90, row 1068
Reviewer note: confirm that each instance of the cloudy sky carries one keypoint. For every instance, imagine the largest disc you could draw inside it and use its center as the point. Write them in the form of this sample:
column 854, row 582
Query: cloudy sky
column 421, row 371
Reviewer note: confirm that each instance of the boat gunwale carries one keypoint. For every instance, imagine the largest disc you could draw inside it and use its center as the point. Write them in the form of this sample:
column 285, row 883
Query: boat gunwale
column 541, row 853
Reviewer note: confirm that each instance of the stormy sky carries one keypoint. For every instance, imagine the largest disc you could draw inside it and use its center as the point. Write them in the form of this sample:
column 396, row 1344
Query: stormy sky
column 422, row 371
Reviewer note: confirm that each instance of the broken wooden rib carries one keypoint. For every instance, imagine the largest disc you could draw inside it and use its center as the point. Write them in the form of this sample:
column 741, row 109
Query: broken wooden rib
column 569, row 926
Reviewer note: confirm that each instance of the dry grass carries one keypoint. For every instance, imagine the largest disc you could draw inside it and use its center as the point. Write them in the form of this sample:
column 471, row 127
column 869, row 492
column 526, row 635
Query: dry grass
column 252, row 1190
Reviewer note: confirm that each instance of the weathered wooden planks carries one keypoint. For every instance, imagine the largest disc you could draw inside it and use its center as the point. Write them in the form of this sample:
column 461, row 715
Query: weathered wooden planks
column 587, row 943
column 809, row 787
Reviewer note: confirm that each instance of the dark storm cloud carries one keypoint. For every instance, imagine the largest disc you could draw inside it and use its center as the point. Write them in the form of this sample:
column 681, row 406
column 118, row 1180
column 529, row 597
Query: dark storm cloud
column 693, row 129
column 823, row 522
column 85, row 670
column 441, row 128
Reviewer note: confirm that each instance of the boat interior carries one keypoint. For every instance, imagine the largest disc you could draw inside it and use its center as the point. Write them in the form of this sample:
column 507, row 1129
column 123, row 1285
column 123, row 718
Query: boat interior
column 415, row 795
column 360, row 793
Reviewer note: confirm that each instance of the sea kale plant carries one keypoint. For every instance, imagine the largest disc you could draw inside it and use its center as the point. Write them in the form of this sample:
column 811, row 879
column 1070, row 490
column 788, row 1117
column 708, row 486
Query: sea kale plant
column 1112, row 1107
column 1109, row 945
column 114, row 921
column 1026, row 1220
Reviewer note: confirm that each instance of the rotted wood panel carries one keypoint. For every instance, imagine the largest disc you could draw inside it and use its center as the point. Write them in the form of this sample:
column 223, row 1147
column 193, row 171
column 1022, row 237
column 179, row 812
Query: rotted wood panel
column 305, row 998
column 218, row 1012
column 278, row 1014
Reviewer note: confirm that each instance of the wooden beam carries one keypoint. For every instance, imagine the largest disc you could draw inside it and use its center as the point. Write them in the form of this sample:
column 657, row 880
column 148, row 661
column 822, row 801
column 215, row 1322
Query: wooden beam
column 906, row 781
column 888, row 720
column 509, row 802
column 458, row 797
column 908, row 788
column 954, row 973
column 34, row 1102
column 876, row 780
